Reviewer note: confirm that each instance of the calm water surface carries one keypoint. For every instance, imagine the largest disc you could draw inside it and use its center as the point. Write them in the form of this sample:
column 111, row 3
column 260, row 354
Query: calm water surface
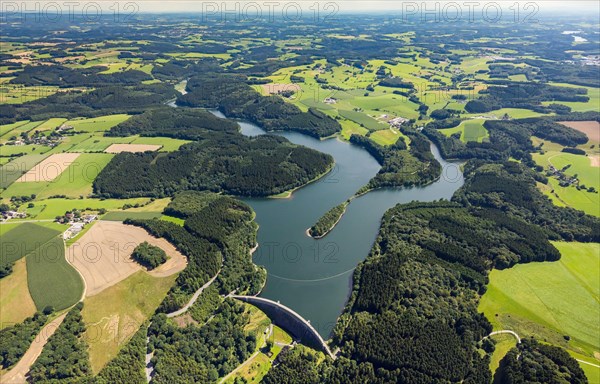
column 313, row 277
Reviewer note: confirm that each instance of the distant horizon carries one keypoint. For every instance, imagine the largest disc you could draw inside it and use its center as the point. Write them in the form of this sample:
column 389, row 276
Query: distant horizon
column 343, row 6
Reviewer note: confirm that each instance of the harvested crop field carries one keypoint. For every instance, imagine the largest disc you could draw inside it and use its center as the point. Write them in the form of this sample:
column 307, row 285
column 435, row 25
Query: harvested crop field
column 50, row 168
column 103, row 255
column 595, row 161
column 590, row 128
column 118, row 148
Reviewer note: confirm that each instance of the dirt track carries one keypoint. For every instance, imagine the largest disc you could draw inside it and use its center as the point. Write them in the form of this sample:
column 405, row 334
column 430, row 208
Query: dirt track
column 17, row 374
column 103, row 255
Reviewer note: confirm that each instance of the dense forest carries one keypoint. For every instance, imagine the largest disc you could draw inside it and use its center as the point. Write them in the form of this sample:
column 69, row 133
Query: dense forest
column 511, row 187
column 295, row 365
column 16, row 339
column 219, row 159
column 92, row 103
column 508, row 138
column 220, row 162
column 327, row 221
column 524, row 95
column 200, row 354
column 128, row 366
column 148, row 255
column 216, row 237
column 401, row 166
column 179, row 123
column 534, row 362
column 236, row 99
column 65, row 356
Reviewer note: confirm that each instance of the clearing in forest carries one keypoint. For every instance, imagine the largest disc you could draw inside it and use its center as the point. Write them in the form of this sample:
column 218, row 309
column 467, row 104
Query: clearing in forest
column 103, row 255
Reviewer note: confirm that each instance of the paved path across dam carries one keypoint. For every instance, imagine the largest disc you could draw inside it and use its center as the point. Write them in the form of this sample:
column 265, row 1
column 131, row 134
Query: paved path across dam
column 291, row 321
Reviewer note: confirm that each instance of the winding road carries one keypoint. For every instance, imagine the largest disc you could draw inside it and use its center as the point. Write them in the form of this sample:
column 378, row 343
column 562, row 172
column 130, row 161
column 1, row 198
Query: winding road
column 194, row 297
column 505, row 332
column 513, row 333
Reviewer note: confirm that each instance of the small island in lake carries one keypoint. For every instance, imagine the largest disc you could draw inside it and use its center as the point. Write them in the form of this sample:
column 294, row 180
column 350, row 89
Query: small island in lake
column 328, row 221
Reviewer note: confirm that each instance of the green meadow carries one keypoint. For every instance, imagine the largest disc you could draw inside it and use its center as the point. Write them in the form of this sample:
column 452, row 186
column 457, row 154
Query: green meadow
column 12, row 170
column 579, row 165
column 50, row 124
column 51, row 279
column 470, row 130
column 75, row 181
column 48, row 209
column 18, row 240
column 102, row 123
column 6, row 128
column 123, row 215
column 556, row 302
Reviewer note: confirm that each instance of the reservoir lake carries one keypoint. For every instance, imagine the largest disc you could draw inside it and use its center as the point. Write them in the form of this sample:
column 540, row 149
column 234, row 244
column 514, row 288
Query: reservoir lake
column 314, row 277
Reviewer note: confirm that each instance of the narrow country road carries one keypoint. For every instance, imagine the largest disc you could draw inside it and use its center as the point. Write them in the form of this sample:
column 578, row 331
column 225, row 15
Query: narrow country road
column 19, row 371
column 505, row 332
column 248, row 360
column 148, row 364
column 194, row 297
column 509, row 332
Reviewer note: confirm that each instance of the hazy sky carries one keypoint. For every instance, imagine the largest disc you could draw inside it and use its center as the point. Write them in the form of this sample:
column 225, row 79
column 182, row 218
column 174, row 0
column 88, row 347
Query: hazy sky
column 360, row 5
column 589, row 7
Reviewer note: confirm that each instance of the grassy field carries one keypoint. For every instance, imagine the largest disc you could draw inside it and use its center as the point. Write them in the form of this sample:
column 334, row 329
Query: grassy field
column 168, row 144
column 6, row 128
column 589, row 176
column 504, row 343
column 551, row 300
column 253, row 370
column 350, row 128
column 50, row 124
column 56, row 207
column 76, row 180
column 16, row 303
column 51, row 279
column 470, row 130
column 173, row 219
column 22, row 239
column 18, row 94
column 122, row 215
column 96, row 124
column 363, row 120
column 17, row 129
column 12, row 170
column 514, row 113
column 20, row 150
column 115, row 314
column 386, row 136
column 95, row 142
